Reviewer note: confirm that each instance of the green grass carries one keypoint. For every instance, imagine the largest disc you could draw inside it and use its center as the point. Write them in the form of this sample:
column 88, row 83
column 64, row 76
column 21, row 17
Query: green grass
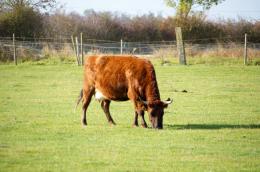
column 215, row 126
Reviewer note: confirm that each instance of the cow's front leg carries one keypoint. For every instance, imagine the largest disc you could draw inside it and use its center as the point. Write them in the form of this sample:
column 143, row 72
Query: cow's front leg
column 139, row 111
column 143, row 123
column 135, row 123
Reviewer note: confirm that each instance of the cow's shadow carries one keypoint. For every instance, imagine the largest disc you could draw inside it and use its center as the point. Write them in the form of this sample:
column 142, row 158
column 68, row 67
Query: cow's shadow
column 210, row 126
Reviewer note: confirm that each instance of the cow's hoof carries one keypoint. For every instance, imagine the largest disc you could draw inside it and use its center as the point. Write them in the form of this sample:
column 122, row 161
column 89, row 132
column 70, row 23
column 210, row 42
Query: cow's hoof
column 144, row 125
column 112, row 123
column 135, row 125
column 84, row 123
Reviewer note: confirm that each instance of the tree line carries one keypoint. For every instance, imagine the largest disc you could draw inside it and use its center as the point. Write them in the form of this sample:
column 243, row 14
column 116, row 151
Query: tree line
column 32, row 21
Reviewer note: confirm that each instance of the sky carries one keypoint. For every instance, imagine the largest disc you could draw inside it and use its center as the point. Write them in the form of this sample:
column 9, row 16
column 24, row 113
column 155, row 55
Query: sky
column 233, row 9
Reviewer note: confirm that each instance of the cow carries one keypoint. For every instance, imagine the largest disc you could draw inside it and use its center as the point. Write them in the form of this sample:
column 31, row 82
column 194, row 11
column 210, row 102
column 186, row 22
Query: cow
column 121, row 78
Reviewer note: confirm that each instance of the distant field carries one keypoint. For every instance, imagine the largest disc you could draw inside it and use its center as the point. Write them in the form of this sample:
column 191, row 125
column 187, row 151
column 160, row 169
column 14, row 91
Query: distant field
column 215, row 126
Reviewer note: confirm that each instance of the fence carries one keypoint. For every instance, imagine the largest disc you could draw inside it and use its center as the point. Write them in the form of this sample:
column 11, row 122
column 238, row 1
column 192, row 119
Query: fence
column 37, row 49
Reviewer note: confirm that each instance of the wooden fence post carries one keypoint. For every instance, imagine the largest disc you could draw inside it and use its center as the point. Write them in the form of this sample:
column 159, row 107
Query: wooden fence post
column 245, row 50
column 74, row 49
column 14, row 47
column 121, row 46
column 81, row 48
column 77, row 50
column 180, row 46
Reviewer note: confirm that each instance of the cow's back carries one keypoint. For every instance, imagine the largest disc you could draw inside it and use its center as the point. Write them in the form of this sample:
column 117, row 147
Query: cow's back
column 115, row 75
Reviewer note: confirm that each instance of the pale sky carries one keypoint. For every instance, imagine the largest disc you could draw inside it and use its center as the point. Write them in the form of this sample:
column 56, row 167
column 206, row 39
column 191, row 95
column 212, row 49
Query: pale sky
column 248, row 9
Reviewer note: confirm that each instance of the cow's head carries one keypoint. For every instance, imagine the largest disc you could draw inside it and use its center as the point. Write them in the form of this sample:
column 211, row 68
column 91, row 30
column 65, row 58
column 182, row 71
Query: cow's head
column 156, row 111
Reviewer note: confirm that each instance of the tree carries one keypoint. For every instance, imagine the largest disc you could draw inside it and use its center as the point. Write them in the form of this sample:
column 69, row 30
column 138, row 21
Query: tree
column 22, row 17
column 35, row 4
column 24, row 22
column 184, row 7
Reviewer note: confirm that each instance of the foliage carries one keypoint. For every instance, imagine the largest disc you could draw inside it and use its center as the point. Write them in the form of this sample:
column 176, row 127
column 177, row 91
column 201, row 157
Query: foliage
column 183, row 7
column 23, row 21
column 23, row 17
column 35, row 4
column 28, row 20
column 212, row 127
column 113, row 26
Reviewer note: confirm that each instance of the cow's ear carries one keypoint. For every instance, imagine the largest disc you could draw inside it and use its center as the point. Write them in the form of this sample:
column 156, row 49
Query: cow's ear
column 165, row 105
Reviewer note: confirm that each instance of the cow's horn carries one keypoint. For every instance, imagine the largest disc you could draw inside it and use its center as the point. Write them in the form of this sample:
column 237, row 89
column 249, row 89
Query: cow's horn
column 168, row 101
column 141, row 100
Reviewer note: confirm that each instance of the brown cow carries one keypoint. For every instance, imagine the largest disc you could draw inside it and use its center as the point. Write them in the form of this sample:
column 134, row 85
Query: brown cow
column 122, row 78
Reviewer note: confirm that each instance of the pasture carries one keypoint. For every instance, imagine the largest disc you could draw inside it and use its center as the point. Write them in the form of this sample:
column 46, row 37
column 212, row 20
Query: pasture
column 215, row 126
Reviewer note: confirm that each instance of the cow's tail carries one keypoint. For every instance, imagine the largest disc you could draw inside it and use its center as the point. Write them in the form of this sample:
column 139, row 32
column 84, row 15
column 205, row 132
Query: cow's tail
column 79, row 99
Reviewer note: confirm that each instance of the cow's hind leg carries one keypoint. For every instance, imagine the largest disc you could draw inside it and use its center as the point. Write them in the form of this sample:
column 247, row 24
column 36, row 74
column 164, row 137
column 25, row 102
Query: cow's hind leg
column 105, row 106
column 87, row 94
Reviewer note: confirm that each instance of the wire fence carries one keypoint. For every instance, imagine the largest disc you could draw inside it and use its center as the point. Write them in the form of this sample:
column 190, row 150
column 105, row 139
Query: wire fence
column 36, row 49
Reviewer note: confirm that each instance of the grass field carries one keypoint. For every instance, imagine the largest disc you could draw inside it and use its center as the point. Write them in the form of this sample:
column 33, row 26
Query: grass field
column 215, row 126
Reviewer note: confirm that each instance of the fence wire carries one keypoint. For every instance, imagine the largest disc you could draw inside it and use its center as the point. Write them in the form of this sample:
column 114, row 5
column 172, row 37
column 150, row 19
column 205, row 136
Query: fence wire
column 27, row 48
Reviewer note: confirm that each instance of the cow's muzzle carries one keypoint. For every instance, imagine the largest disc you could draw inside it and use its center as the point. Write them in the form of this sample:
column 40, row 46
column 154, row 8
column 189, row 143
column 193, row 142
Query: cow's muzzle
column 156, row 124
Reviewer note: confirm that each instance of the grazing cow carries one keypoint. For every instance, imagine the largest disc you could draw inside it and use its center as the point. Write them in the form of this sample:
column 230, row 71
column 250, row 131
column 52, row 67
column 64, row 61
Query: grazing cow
column 121, row 78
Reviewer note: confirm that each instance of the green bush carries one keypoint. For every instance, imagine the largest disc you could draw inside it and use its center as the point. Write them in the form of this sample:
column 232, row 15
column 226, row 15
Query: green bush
column 23, row 21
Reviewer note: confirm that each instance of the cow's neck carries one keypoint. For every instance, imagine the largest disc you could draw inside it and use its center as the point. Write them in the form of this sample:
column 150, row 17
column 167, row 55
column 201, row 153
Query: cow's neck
column 152, row 91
